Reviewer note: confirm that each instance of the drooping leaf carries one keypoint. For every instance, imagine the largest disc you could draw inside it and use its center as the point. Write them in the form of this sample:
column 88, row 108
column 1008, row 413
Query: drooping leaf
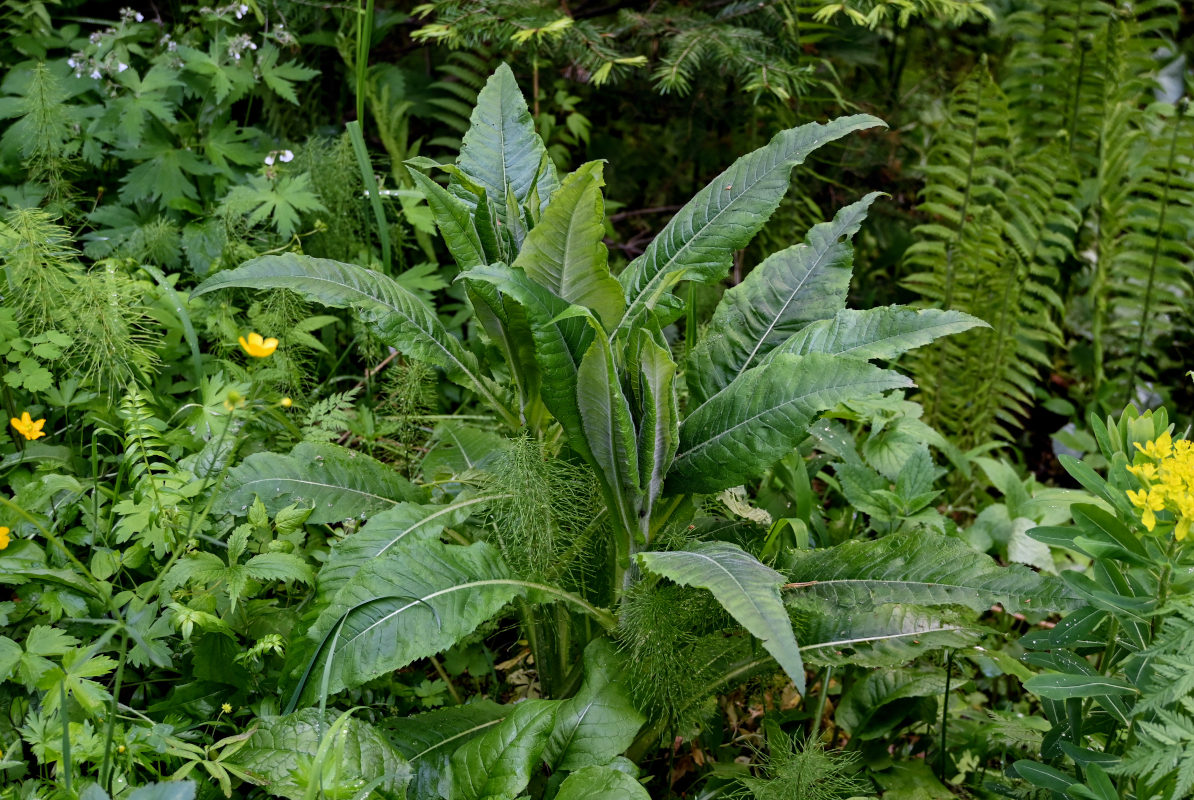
column 599, row 721
column 392, row 312
column 786, row 292
column 884, row 636
column 746, row 588
column 501, row 147
column 883, row 332
column 565, row 253
column 283, row 752
column 698, row 243
column 925, row 570
column 499, row 762
column 400, row 526
column 753, row 422
column 335, row 482
column 402, row 607
column 601, row 783
column 427, row 741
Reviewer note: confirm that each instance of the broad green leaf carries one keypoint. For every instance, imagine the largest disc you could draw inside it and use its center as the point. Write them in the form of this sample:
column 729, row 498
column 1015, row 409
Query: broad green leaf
column 392, row 312
column 924, row 570
column 786, row 292
column 1059, row 686
column 505, row 323
column 658, row 417
column 742, row 430
column 885, row 636
column 335, row 482
column 283, row 751
column 565, row 251
column 400, row 526
column 560, row 343
column 404, row 606
column 863, row 711
column 1044, row 776
column 456, row 448
column 500, row 762
column 170, row 790
column 746, row 588
column 455, row 222
column 601, row 783
column 599, row 722
column 501, row 147
column 699, row 242
column 883, row 332
column 428, row 740
column 609, row 429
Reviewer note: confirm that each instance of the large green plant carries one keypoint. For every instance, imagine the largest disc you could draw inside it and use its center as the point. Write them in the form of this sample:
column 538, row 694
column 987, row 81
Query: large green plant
column 578, row 362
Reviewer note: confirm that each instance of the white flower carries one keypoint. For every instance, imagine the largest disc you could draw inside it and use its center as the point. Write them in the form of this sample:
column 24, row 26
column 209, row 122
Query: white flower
column 139, row 17
column 241, row 10
column 286, row 157
column 269, row 160
column 95, row 73
column 70, row 62
column 121, row 67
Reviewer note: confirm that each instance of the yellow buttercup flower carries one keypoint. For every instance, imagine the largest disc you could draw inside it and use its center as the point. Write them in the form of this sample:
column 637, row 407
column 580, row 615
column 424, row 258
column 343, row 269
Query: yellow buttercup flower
column 28, row 427
column 258, row 347
column 4, row 537
column 1165, row 470
column 226, row 708
column 286, row 402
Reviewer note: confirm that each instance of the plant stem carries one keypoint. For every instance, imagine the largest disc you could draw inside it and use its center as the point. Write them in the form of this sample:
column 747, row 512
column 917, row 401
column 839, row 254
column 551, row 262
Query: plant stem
column 949, row 664
column 820, row 709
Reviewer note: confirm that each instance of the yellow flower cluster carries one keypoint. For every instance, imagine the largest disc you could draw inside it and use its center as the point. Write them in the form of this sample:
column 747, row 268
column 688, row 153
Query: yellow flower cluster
column 1165, row 469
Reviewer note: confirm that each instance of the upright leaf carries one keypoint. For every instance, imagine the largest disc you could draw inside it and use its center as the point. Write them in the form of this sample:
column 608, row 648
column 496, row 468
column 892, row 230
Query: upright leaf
column 698, row 243
column 395, row 315
column 400, row 608
column 455, row 222
column 746, row 588
column 501, row 147
column 658, row 417
column 565, row 252
column 599, row 721
column 335, row 482
column 609, row 429
column 751, row 423
column 560, row 343
column 787, row 291
column 500, row 762
column 883, row 332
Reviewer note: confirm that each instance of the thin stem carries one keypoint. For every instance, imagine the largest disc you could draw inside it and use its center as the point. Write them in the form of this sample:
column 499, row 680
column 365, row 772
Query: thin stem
column 443, row 676
column 820, row 709
column 949, row 664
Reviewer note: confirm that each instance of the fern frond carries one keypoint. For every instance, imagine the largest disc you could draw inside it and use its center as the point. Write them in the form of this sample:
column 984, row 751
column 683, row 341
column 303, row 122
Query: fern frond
column 996, row 235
